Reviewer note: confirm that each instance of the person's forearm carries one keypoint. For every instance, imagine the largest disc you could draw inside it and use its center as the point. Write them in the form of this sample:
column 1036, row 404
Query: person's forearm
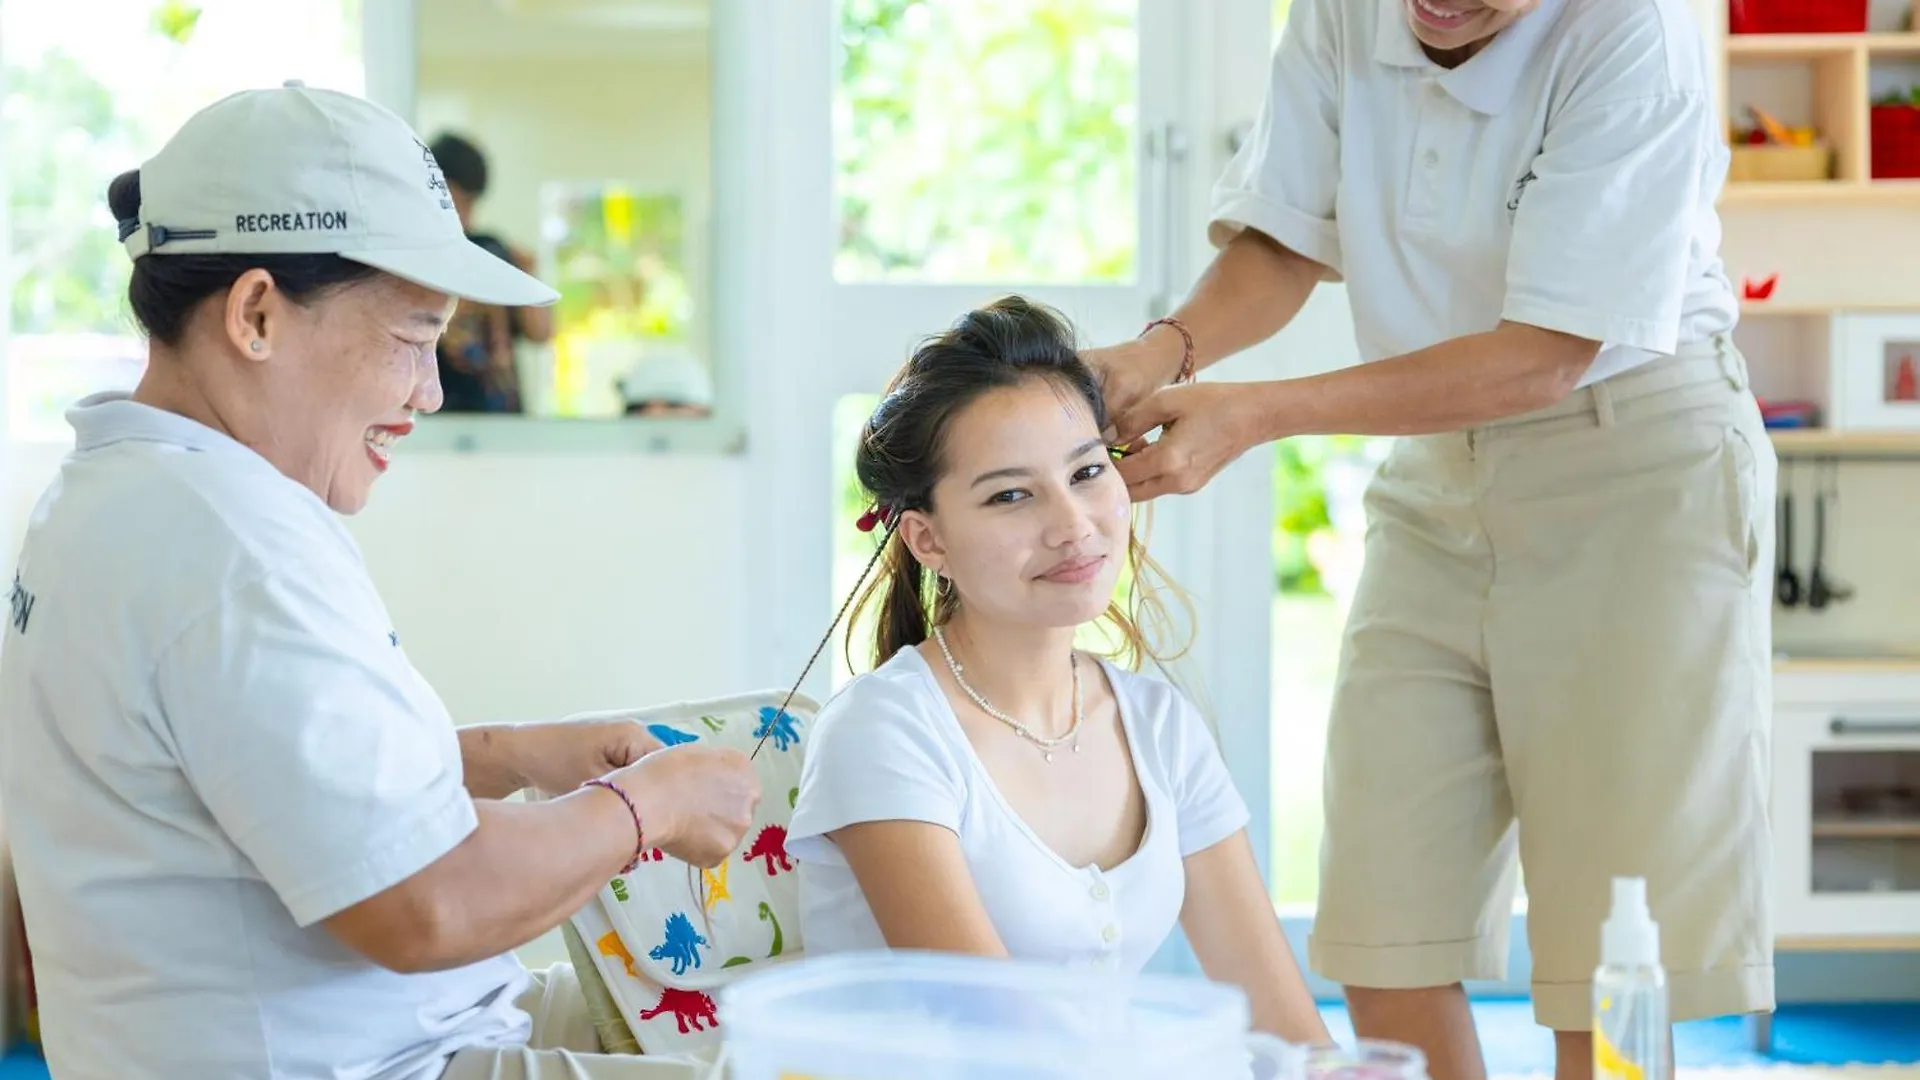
column 1250, row 292
column 487, row 761
column 1232, row 929
column 525, row 870
column 1451, row 386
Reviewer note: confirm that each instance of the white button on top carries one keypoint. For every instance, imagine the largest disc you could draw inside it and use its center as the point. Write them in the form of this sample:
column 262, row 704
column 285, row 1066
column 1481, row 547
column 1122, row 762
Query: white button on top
column 1100, row 891
column 295, row 84
column 1432, row 158
column 1111, row 934
column 1436, row 90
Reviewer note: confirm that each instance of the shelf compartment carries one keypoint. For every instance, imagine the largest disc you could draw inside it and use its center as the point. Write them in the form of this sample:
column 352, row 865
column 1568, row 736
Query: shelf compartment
column 1806, row 83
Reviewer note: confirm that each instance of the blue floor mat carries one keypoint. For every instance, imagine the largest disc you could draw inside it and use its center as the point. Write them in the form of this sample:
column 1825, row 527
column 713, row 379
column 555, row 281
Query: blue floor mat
column 1802, row 1035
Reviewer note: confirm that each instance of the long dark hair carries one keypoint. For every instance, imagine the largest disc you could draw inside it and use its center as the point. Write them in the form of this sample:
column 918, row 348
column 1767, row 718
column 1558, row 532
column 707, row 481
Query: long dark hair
column 165, row 290
column 901, row 456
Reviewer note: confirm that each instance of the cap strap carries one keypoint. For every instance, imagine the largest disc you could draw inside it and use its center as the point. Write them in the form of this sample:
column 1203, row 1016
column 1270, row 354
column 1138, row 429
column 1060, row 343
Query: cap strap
column 144, row 240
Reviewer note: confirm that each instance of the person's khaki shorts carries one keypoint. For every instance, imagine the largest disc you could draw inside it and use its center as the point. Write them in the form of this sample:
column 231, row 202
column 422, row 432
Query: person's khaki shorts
column 1563, row 622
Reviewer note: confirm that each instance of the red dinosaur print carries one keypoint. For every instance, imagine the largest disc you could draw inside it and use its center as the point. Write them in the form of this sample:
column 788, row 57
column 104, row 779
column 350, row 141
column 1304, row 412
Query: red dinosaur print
column 687, row 1007
column 770, row 845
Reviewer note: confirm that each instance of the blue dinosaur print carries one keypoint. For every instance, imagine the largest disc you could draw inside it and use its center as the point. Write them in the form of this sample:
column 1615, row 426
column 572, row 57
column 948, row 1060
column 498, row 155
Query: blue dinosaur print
column 671, row 736
column 682, row 944
column 779, row 726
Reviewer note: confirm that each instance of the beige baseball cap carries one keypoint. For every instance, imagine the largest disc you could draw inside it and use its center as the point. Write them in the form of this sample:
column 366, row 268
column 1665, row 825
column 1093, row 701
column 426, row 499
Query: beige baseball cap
column 295, row 170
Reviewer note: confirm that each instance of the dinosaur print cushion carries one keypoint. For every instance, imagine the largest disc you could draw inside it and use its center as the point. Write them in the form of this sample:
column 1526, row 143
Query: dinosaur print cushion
column 667, row 935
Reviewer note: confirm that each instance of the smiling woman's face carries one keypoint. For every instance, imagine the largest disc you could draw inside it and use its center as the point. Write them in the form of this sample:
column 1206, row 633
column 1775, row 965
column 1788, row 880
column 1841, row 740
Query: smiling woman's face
column 1029, row 518
column 349, row 372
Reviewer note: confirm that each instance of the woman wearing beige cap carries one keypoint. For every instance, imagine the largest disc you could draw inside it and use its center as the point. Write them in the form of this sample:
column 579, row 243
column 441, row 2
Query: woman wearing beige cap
column 250, row 841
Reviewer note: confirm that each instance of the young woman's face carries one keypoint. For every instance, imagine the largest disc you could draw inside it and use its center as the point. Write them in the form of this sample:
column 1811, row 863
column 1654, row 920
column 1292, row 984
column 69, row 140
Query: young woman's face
column 1447, row 25
column 1030, row 521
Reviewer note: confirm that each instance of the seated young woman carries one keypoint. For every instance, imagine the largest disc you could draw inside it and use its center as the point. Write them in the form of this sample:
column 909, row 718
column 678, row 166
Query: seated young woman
column 988, row 788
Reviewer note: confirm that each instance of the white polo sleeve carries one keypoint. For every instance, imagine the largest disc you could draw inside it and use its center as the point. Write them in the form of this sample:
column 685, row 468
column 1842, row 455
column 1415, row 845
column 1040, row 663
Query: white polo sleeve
column 876, row 755
column 292, row 716
column 1603, row 233
column 1204, row 795
column 1284, row 179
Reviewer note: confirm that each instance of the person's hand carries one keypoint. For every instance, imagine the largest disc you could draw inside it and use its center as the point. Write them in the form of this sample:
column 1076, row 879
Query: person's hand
column 695, row 801
column 558, row 756
column 1131, row 371
column 1204, row 427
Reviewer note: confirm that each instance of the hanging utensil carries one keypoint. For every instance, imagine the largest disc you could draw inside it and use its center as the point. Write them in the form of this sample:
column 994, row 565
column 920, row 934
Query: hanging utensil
column 1787, row 582
column 1822, row 590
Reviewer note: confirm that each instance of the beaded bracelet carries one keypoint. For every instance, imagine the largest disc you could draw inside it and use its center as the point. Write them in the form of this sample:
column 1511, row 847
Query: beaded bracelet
column 1186, row 343
column 639, row 832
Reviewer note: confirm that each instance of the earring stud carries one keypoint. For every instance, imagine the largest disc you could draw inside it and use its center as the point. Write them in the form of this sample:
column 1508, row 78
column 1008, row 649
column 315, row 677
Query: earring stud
column 257, row 345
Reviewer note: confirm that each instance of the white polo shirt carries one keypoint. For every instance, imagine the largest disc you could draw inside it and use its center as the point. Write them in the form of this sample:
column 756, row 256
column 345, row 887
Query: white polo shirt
column 1564, row 177
column 210, row 740
column 889, row 748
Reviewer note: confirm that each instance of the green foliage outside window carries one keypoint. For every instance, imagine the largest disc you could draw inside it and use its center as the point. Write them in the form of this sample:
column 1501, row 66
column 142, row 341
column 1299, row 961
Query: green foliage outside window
column 986, row 140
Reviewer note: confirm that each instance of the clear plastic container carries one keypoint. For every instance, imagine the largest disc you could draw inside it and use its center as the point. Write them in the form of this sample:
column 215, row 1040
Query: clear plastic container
column 1367, row 1059
column 924, row 1016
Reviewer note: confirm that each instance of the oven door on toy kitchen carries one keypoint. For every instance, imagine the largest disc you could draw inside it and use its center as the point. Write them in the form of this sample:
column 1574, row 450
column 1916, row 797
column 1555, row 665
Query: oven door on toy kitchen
column 1846, row 809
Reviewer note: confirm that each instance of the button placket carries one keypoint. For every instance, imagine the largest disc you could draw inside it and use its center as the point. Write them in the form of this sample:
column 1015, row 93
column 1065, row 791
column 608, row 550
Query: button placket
column 1424, row 181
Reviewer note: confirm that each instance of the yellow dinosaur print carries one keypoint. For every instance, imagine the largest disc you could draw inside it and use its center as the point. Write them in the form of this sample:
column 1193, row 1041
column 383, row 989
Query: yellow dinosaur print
column 716, row 886
column 611, row 945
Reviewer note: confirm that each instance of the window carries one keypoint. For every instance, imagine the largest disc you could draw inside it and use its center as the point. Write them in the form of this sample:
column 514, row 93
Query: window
column 94, row 87
column 1319, row 530
column 987, row 140
column 625, row 314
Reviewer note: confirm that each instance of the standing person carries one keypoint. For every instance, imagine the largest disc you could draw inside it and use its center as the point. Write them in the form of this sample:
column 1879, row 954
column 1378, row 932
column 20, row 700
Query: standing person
column 250, row 841
column 477, row 371
column 1563, row 618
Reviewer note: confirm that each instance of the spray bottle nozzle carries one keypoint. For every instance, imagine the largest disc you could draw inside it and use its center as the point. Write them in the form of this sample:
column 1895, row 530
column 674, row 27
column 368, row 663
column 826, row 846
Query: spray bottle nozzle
column 1630, row 936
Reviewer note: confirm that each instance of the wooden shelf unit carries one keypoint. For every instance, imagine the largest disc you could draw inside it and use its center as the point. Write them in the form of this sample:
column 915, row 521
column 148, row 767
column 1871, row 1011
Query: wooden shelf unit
column 1840, row 109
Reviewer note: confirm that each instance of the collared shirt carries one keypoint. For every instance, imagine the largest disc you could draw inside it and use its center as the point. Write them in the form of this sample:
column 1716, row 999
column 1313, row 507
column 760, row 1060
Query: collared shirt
column 1564, row 176
column 211, row 741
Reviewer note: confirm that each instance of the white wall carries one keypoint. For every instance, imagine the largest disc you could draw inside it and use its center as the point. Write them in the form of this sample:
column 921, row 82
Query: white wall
column 531, row 587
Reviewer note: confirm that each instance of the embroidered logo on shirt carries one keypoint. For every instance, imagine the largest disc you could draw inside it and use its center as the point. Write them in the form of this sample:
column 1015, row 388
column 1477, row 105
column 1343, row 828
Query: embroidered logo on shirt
column 1519, row 191
column 393, row 638
column 21, row 601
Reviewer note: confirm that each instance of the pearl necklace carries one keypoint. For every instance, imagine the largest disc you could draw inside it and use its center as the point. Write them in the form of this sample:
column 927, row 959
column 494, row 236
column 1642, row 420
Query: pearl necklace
column 1046, row 745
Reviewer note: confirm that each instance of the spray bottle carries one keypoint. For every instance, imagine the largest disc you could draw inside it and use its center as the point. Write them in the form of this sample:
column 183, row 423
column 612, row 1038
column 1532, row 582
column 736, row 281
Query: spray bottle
column 1630, row 1031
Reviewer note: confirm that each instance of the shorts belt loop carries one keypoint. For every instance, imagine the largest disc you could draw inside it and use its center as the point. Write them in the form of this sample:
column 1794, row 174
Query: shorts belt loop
column 1602, row 404
column 1731, row 364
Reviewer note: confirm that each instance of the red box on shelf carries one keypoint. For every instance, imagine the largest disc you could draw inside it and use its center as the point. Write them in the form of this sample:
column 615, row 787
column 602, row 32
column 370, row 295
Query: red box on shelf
column 1797, row 16
column 1896, row 142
